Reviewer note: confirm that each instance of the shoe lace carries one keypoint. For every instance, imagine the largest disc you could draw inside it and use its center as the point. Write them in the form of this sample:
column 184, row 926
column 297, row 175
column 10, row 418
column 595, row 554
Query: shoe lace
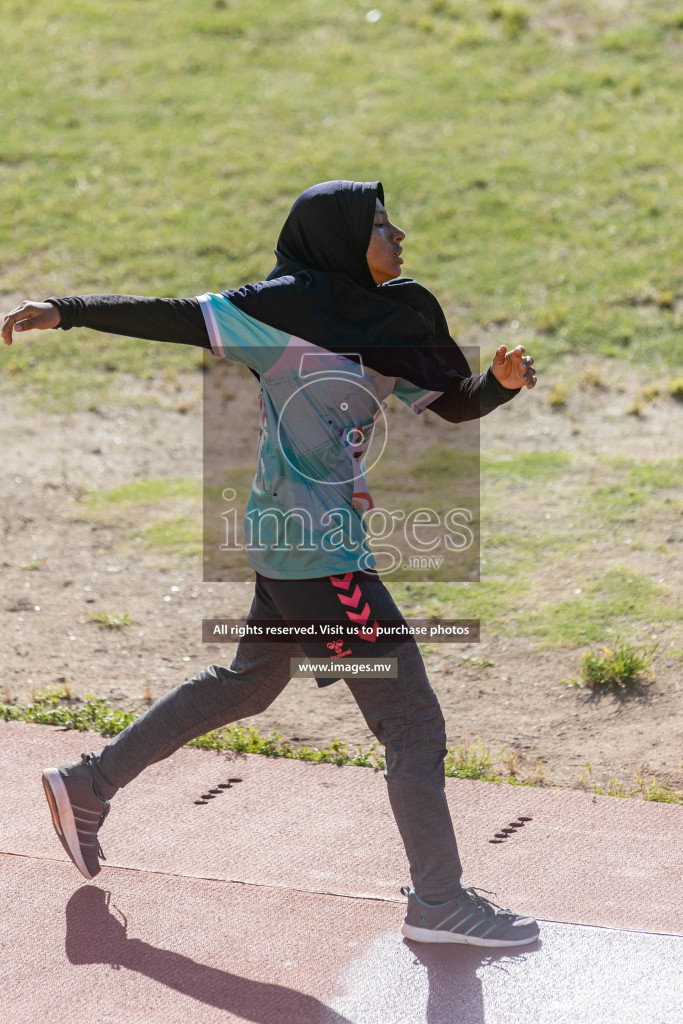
column 486, row 905
column 473, row 892
column 105, row 812
column 89, row 760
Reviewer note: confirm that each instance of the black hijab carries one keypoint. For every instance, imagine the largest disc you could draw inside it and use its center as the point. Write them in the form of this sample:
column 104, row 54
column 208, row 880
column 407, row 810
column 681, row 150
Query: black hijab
column 329, row 228
column 321, row 289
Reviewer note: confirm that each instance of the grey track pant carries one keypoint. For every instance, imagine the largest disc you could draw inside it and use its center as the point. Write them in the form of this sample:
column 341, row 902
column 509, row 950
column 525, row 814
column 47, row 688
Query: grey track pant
column 403, row 714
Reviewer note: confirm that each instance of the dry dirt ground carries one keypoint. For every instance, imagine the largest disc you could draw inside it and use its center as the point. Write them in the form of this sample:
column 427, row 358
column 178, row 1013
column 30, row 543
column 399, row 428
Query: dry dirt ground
column 59, row 568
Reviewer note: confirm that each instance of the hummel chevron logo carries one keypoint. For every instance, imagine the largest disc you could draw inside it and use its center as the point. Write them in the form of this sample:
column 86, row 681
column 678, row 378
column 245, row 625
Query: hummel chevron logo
column 342, row 581
column 353, row 600
column 361, row 617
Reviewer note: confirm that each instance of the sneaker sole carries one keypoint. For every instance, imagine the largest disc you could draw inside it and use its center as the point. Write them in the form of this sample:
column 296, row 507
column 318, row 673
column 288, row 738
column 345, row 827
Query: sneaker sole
column 63, row 818
column 411, row 931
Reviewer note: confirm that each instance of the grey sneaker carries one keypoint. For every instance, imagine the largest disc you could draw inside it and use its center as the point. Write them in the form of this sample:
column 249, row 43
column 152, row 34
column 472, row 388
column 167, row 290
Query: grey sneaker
column 469, row 919
column 77, row 812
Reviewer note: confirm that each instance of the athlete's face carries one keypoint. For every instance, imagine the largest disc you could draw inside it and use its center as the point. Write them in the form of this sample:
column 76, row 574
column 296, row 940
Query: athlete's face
column 384, row 250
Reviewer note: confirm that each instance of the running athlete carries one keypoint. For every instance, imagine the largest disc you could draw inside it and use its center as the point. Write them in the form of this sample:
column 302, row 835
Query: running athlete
column 334, row 294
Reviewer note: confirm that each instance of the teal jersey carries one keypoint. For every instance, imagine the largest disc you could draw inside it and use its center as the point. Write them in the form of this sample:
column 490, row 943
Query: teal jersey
column 320, row 412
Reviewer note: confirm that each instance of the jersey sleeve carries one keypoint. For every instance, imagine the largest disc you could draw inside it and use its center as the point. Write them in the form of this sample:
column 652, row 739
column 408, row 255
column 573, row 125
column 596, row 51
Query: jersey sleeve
column 417, row 398
column 236, row 335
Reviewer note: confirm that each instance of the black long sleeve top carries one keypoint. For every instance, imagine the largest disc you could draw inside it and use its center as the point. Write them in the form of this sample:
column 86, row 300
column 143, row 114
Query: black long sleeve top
column 181, row 321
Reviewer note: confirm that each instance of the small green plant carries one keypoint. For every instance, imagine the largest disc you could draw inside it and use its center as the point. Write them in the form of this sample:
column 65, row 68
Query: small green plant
column 676, row 389
column 471, row 761
column 110, row 620
column 592, row 379
column 558, row 396
column 46, row 709
column 658, row 793
column 665, row 299
column 585, row 776
column 514, row 18
column 476, row 662
column 675, row 20
column 510, row 761
column 62, row 691
column 649, row 791
column 615, row 788
column 620, row 668
column 248, row 740
column 549, row 321
column 651, row 393
column 33, row 565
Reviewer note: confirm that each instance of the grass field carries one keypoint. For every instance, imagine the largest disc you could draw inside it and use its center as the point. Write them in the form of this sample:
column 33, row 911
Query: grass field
column 532, row 152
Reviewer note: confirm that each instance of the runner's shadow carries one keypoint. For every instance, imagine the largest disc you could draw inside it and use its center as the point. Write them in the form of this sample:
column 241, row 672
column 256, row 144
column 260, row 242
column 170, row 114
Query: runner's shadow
column 95, row 936
column 454, row 988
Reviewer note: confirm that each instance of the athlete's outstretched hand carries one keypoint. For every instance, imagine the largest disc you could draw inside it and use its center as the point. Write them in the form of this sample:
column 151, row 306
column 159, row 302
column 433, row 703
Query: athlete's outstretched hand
column 29, row 316
column 513, row 369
